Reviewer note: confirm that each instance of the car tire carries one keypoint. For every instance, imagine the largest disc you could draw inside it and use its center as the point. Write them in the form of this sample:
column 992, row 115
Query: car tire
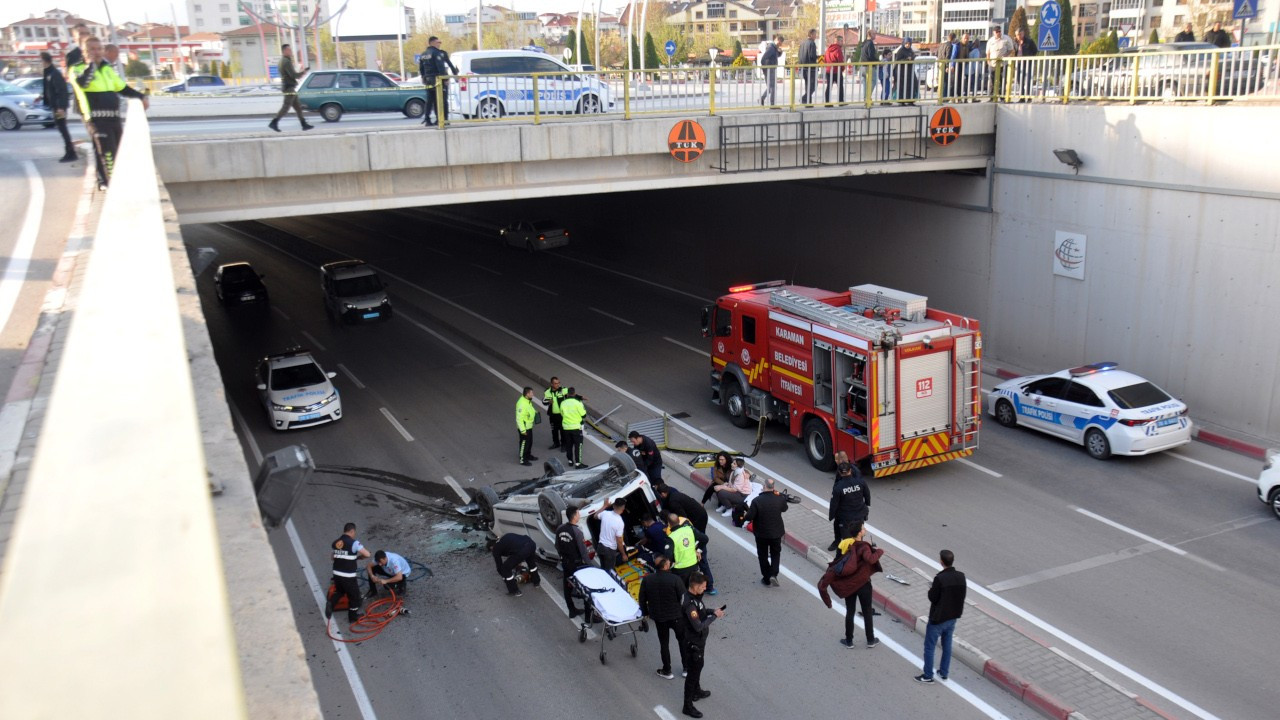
column 551, row 508
column 817, row 445
column 415, row 108
column 1097, row 444
column 490, row 109
column 590, row 105
column 486, row 499
column 735, row 403
column 552, row 467
column 1274, row 500
column 8, row 120
column 622, row 464
column 1005, row 414
column 331, row 112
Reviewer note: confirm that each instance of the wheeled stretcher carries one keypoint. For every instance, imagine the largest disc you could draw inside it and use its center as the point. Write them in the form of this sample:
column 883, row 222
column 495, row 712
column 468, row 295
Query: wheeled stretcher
column 611, row 602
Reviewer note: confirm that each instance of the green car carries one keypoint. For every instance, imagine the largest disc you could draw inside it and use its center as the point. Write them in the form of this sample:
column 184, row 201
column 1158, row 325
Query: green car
column 334, row 92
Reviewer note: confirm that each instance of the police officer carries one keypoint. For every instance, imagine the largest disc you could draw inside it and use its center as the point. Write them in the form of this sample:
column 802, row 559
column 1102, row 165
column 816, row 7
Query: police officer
column 551, row 398
column 573, row 556
column 434, row 64
column 347, row 550
column 388, row 569
column 98, row 89
column 850, row 501
column 684, row 546
column 649, row 456
column 511, row 550
column 572, row 413
column 56, row 99
column 526, row 416
column 698, row 621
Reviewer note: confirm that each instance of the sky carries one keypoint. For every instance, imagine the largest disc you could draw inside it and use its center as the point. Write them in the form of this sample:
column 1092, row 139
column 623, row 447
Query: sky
column 159, row 10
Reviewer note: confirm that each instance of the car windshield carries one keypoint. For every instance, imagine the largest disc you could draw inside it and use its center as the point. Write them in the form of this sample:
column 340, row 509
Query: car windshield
column 545, row 225
column 359, row 285
column 238, row 274
column 8, row 88
column 296, row 376
column 1141, row 395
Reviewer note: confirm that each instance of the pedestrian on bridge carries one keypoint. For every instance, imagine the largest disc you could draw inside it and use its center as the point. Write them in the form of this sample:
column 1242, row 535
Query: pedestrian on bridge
column 526, row 416
column 1219, row 37
column 1186, row 35
column 999, row 47
column 289, row 76
column 434, row 65
column 769, row 67
column 808, row 71
column 1023, row 47
column 946, row 605
column 573, row 412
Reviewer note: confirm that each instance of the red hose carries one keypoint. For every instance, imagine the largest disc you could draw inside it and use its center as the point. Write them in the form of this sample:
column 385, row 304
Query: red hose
column 375, row 618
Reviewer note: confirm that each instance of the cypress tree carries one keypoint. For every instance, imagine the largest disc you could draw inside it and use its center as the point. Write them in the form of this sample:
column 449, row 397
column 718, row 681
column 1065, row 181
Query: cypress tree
column 1067, row 36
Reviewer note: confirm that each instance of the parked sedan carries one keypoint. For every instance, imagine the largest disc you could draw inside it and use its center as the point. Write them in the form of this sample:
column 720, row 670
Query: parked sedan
column 335, row 92
column 1099, row 406
column 535, row 235
column 19, row 107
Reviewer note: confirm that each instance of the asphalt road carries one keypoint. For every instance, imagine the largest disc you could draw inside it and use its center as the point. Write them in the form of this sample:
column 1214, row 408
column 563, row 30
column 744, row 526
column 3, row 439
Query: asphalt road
column 1013, row 516
column 468, row 650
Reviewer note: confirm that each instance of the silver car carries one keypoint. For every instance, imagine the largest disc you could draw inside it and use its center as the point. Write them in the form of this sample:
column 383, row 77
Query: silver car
column 20, row 107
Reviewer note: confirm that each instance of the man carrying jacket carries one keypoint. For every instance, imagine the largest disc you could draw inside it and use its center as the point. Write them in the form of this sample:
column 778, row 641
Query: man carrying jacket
column 766, row 515
column 850, row 502
column 946, row 605
column 433, row 65
column 55, row 98
column 674, row 501
column 660, row 596
column 98, row 89
column 849, row 575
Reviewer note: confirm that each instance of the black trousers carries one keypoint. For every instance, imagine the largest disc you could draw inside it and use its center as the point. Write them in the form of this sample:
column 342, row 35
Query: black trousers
column 836, row 79
column 433, row 102
column 290, row 103
column 693, row 657
column 397, row 587
column 769, row 552
column 508, row 571
column 526, row 446
column 810, row 76
column 556, row 429
column 69, row 147
column 573, row 445
column 676, row 626
column 863, row 596
column 568, row 588
column 350, row 587
column 840, row 525
column 106, row 133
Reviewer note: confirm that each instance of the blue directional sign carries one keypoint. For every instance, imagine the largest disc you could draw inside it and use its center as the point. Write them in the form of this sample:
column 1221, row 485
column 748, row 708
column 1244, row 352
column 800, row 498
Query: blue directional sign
column 670, row 47
column 1051, row 26
column 1244, row 9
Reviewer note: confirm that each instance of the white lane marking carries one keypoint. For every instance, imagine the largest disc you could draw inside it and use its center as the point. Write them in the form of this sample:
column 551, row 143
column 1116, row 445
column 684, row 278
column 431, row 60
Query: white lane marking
column 344, row 655
column 249, row 438
column 978, row 467
column 663, row 713
column 457, row 488
column 351, row 376
column 1131, row 531
column 15, row 271
column 611, row 316
column 542, row 289
column 559, row 601
column 668, row 288
column 311, row 339
column 1228, row 473
column 673, row 341
column 395, row 423
column 486, row 269
column 920, row 557
column 276, row 309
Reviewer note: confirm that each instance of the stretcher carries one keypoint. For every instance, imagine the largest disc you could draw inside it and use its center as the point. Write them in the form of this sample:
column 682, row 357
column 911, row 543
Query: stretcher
column 609, row 601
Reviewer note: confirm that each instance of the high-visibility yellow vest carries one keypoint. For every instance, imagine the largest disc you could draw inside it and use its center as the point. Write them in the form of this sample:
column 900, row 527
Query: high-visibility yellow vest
column 572, row 411
column 684, row 547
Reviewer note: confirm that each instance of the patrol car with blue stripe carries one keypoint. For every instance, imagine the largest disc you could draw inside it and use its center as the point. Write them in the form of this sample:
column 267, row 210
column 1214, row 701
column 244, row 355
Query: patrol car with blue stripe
column 494, row 83
column 1108, row 410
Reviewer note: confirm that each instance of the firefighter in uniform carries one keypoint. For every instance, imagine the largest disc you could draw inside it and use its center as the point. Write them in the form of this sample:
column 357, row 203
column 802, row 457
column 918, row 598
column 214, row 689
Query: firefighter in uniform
column 551, row 399
column 509, row 552
column 698, row 621
column 572, row 413
column 526, row 416
column 650, row 459
column 347, row 550
column 573, row 555
column 97, row 88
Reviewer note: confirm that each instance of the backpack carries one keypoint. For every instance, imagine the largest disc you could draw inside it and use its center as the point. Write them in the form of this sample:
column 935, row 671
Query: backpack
column 834, row 54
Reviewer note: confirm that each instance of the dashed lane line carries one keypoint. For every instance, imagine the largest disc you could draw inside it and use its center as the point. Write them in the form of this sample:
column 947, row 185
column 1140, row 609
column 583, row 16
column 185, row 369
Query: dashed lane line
column 612, row 316
column 552, row 293
column 457, row 488
column 311, row 339
column 1228, row 473
column 395, row 424
column 351, row 376
column 673, row 341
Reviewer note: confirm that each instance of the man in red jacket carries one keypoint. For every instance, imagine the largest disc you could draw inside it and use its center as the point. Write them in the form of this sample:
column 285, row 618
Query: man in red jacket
column 850, row 576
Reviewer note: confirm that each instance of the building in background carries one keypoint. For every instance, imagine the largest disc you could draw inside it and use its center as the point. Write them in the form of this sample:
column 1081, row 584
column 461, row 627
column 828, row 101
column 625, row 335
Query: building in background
column 516, row 27
column 245, row 52
column 221, row 16
column 49, row 31
column 747, row 21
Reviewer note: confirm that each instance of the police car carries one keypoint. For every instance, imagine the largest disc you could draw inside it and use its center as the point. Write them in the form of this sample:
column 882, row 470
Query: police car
column 296, row 392
column 1269, row 481
column 1107, row 410
column 493, row 83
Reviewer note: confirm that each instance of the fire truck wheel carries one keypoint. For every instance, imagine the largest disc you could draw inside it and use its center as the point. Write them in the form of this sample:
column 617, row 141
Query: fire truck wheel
column 1095, row 441
column 817, row 445
column 1005, row 414
column 736, row 405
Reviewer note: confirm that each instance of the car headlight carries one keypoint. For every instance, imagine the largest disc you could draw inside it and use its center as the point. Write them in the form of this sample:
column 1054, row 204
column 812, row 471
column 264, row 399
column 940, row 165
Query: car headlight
column 348, row 306
column 282, row 408
column 332, row 396
column 386, row 300
column 23, row 103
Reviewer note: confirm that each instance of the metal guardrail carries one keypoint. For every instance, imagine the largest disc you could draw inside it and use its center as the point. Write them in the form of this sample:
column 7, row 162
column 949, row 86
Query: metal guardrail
column 790, row 144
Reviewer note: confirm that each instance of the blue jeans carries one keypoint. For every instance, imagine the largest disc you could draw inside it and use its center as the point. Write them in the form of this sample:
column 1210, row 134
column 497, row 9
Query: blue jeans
column 932, row 633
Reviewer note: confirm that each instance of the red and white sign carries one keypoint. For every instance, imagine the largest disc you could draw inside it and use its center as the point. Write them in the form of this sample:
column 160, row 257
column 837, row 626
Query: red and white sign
column 924, row 388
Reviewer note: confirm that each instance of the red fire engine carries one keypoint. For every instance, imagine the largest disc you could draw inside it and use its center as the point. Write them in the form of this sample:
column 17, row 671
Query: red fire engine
column 869, row 370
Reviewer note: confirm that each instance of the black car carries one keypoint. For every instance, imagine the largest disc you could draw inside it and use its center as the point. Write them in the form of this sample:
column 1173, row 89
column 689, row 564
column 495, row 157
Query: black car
column 238, row 283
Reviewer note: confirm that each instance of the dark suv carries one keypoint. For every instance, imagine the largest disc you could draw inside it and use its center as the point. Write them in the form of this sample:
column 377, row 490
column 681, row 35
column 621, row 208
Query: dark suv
column 353, row 292
column 238, row 283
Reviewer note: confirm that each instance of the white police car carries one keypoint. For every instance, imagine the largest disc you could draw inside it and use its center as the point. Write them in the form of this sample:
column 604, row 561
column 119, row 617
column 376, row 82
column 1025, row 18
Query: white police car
column 1269, row 481
column 493, row 83
column 1105, row 409
column 296, row 392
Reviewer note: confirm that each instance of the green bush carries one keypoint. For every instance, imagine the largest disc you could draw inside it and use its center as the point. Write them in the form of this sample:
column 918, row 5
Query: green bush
column 137, row 69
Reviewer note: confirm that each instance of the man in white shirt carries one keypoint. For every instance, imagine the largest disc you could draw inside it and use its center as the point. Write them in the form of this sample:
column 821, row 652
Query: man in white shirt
column 388, row 569
column 612, row 529
column 999, row 47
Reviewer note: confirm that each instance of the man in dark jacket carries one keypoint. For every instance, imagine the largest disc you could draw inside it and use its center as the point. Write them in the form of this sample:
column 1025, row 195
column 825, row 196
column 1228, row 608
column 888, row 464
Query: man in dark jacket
column 674, row 501
column 946, row 605
column 809, row 56
column 769, row 66
column 698, row 619
column 1186, row 35
column 1023, row 47
column 850, row 502
column 57, row 99
column 1219, row 37
column 766, row 515
column 660, row 596
column 434, row 64
column 849, row 575
column 509, row 552
column 648, row 456
column 572, row 549
column 289, row 76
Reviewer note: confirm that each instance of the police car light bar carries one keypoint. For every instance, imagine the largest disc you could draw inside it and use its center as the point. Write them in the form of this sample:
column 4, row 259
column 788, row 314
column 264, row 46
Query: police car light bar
column 1094, row 368
column 756, row 286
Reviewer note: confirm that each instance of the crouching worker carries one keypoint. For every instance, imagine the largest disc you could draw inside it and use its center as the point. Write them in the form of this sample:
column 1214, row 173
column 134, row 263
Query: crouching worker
column 388, row 569
column 509, row 552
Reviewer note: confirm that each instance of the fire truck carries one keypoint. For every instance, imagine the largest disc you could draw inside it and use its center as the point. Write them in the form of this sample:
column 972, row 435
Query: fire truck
column 869, row 370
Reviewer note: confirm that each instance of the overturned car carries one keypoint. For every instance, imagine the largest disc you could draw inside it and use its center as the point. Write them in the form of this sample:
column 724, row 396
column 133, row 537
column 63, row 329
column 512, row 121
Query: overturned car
column 537, row 507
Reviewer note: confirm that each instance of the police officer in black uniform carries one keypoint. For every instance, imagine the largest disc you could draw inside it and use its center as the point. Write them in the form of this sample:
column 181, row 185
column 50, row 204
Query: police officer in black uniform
column 698, row 621
column 850, row 501
column 347, row 550
column 649, row 459
column 511, row 550
column 573, row 556
column 434, row 64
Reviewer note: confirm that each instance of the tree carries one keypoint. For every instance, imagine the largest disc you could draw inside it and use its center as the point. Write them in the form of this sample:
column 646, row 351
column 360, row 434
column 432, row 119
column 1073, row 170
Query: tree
column 737, row 48
column 1067, row 34
column 1105, row 45
column 1155, row 36
column 1019, row 22
column 226, row 70
column 635, row 53
column 650, row 52
column 137, row 69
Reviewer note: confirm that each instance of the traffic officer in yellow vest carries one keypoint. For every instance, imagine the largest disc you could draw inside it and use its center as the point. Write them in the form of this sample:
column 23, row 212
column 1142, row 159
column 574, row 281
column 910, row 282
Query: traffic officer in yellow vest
column 526, row 416
column 551, row 399
column 98, row 89
column 572, row 412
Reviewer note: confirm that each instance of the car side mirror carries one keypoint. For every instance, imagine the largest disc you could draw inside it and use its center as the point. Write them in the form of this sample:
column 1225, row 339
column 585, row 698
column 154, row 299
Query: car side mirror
column 331, row 375
column 262, row 386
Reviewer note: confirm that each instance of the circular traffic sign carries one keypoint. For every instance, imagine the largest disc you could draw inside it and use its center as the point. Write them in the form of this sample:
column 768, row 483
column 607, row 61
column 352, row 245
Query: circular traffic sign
column 944, row 126
column 686, row 141
column 670, row 47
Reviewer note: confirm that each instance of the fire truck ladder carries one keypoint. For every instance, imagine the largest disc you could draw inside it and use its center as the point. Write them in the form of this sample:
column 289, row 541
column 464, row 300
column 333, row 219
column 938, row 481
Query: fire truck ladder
column 971, row 408
column 817, row 311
